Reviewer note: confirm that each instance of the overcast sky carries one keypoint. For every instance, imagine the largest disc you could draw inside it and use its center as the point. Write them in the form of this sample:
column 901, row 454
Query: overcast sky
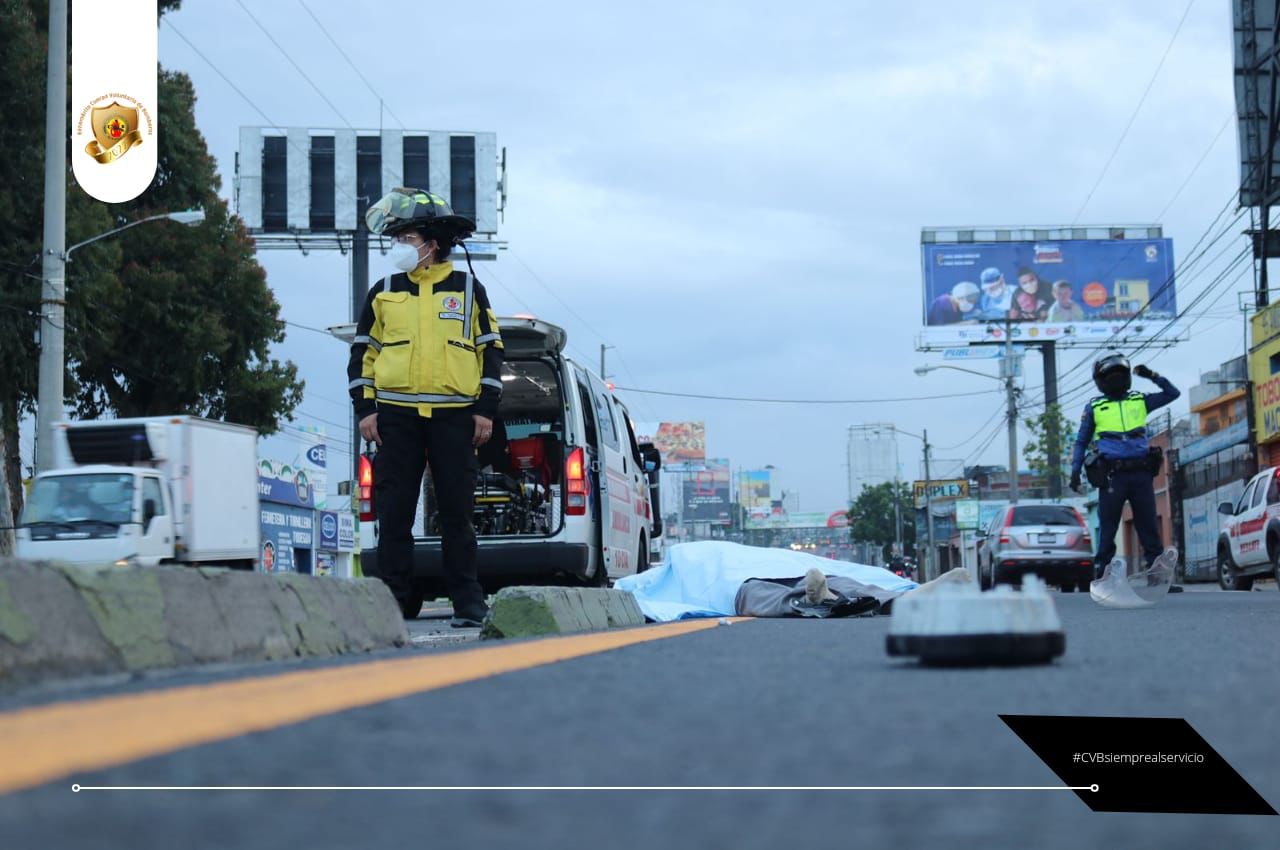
column 731, row 193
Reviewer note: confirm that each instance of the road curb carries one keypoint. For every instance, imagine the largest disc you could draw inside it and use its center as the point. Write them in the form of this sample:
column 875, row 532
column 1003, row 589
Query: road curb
column 535, row 611
column 59, row 621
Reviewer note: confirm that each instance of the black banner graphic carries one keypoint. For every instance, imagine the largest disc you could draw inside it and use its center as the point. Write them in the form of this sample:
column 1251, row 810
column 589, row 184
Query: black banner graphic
column 1138, row 764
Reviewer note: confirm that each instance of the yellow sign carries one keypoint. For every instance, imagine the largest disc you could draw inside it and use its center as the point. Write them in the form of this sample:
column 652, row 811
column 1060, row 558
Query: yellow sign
column 1265, row 325
column 952, row 488
column 1266, row 387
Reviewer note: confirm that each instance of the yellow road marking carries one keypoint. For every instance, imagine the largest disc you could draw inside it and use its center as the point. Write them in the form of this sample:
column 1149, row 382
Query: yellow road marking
column 46, row 743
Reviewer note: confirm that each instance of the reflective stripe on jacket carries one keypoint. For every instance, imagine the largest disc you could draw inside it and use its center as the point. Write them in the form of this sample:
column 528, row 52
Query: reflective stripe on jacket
column 425, row 340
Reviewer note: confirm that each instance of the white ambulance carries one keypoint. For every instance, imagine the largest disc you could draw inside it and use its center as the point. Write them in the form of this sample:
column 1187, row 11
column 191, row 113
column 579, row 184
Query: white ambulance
column 564, row 494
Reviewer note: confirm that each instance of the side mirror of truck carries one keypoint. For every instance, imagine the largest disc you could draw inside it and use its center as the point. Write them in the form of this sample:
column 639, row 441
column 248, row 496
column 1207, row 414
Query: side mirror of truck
column 148, row 513
column 1226, row 508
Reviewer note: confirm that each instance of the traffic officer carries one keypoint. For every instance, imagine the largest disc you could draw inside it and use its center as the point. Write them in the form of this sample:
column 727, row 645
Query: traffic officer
column 1123, row 464
column 425, row 382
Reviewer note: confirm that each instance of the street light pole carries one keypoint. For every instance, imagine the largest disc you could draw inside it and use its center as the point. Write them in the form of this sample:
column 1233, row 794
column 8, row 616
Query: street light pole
column 54, row 262
column 53, row 300
column 1007, row 370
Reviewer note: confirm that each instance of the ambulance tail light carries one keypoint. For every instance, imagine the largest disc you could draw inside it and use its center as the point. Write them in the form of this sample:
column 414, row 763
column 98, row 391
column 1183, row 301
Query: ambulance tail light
column 575, row 476
column 366, row 489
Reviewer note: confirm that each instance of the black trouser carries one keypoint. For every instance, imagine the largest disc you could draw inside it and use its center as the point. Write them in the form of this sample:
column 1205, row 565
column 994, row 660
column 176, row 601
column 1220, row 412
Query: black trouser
column 409, row 443
column 1134, row 486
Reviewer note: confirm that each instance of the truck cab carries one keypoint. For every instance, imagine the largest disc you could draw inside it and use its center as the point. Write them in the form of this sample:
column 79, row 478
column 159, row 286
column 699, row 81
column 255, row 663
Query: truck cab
column 95, row 515
column 146, row 491
column 1249, row 534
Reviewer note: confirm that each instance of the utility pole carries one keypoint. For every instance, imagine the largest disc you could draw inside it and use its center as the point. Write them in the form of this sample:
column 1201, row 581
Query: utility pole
column 604, row 376
column 53, row 289
column 930, row 569
column 1012, row 404
column 897, row 499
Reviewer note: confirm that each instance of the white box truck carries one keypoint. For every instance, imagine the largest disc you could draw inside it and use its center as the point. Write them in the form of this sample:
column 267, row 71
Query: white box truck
column 151, row 490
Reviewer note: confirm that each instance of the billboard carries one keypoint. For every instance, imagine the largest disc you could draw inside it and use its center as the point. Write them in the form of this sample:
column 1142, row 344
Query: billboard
column 1077, row 291
column 794, row 519
column 753, row 488
column 706, row 494
column 683, row 445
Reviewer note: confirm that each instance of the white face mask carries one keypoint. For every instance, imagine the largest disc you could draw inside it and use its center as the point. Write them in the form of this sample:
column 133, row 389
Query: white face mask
column 404, row 256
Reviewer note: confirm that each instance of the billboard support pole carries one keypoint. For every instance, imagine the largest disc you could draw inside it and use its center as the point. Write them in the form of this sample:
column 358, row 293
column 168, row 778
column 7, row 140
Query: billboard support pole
column 1012, row 415
column 359, row 289
column 1053, row 451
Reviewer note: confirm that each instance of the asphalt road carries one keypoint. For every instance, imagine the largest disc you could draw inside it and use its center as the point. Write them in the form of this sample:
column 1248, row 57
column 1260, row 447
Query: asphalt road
column 781, row 702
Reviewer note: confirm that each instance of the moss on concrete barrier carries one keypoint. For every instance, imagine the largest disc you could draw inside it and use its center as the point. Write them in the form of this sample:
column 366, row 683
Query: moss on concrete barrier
column 535, row 611
column 60, row 621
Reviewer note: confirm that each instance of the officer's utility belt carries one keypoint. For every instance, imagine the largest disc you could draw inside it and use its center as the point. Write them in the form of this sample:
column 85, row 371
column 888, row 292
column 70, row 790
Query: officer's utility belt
column 1099, row 469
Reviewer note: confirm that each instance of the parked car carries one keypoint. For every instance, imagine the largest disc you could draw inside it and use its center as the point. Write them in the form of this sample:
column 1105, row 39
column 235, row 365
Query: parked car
column 1249, row 536
column 1049, row 541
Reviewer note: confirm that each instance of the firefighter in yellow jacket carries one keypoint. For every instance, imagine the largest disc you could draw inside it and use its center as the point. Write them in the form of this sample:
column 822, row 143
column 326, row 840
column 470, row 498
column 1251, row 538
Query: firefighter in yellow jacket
column 425, row 383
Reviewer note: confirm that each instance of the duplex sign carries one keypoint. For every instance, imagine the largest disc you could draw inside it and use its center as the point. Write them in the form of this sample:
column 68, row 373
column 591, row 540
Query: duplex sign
column 954, row 488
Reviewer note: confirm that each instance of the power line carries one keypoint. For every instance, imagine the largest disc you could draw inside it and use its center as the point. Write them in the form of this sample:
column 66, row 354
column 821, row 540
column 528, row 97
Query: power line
column 338, row 187
column 804, row 401
column 1196, row 167
column 381, row 103
column 981, row 429
column 296, row 66
column 1134, row 116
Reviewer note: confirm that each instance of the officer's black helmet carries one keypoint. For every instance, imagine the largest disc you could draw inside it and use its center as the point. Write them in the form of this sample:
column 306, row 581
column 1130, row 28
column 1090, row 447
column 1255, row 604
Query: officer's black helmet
column 404, row 209
column 1111, row 374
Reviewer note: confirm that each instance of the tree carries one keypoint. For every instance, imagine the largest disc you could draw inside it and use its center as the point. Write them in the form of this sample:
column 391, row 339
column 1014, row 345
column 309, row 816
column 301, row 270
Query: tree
column 872, row 518
column 161, row 318
column 1049, row 430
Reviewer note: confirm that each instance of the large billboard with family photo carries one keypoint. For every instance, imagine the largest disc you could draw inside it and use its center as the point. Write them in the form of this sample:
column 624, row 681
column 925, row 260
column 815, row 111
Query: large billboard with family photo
column 1079, row 290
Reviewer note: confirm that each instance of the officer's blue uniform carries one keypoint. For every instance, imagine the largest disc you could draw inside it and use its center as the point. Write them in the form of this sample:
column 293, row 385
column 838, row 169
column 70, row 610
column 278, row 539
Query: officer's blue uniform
column 1133, row 484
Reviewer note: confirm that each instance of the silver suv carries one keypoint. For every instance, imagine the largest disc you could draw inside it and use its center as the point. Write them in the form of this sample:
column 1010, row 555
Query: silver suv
column 1050, row 541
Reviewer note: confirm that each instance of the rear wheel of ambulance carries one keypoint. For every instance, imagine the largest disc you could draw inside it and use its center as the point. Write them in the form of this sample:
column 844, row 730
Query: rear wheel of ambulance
column 642, row 560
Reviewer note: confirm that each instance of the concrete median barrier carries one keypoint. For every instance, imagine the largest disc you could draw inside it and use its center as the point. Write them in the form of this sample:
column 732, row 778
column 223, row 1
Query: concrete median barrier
column 61, row 621
column 534, row 611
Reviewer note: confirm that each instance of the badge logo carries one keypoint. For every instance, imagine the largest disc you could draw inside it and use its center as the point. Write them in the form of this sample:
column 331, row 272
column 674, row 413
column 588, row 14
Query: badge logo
column 452, row 304
column 116, row 129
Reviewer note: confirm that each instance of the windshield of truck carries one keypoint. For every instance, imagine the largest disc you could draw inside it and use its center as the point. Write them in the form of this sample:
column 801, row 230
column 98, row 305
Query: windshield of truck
column 105, row 497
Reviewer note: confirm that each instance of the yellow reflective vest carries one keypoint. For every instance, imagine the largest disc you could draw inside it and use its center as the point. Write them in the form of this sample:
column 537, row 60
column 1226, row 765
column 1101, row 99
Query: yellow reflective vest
column 426, row 340
column 1120, row 416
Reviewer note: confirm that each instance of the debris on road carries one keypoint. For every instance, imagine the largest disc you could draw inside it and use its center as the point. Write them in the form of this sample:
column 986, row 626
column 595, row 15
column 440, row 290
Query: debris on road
column 949, row 621
column 1118, row 589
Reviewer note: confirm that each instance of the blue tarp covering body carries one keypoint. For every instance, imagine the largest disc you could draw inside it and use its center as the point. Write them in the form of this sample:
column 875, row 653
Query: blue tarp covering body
column 702, row 579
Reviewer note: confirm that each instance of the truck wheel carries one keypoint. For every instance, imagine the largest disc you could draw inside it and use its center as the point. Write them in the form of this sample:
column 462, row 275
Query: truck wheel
column 642, row 562
column 1227, row 578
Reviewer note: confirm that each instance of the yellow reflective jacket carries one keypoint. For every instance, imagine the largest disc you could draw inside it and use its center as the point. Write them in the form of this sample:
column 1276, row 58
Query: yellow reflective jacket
column 426, row 340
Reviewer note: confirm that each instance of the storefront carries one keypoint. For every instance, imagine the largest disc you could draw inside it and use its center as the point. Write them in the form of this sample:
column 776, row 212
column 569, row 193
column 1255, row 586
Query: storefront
column 287, row 523
column 1264, row 374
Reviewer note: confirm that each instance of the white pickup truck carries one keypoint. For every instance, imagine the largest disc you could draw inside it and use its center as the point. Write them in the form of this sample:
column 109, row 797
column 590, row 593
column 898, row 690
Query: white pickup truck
column 1249, row 537
column 169, row 489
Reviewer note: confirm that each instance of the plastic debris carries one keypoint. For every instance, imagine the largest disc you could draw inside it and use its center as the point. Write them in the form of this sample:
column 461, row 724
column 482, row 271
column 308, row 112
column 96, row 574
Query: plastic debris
column 1118, row 589
column 950, row 622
